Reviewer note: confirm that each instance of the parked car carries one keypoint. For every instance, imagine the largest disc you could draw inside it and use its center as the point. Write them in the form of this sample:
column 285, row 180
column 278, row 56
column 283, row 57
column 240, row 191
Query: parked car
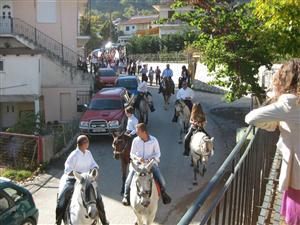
column 16, row 205
column 106, row 77
column 105, row 113
column 129, row 82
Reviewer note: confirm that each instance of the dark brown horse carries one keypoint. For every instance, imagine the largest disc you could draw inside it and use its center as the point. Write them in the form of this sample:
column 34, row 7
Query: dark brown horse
column 121, row 150
column 167, row 90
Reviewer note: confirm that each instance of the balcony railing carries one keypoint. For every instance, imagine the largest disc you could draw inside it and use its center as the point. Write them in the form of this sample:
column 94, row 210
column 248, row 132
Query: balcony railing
column 41, row 41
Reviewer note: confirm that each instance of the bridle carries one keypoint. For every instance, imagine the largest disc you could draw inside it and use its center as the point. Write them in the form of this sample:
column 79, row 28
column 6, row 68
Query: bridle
column 146, row 194
column 85, row 203
column 123, row 148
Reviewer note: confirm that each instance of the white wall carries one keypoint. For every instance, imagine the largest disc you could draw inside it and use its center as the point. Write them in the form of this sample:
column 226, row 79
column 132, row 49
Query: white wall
column 21, row 75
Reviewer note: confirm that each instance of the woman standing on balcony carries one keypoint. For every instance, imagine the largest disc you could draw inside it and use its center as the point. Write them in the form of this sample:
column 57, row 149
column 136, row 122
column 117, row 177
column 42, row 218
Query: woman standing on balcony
column 284, row 112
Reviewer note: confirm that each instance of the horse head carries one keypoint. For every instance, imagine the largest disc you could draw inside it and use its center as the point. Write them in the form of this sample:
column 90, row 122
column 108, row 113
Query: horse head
column 119, row 144
column 179, row 106
column 206, row 148
column 86, row 192
column 144, row 181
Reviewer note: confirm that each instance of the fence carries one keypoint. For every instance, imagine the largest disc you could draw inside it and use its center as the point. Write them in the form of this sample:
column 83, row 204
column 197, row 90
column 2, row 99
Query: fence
column 20, row 151
column 62, row 133
column 161, row 57
column 244, row 173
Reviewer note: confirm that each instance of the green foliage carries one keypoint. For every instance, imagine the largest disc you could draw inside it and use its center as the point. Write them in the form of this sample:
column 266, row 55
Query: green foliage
column 230, row 43
column 17, row 175
column 281, row 18
column 26, row 124
column 144, row 44
column 154, row 44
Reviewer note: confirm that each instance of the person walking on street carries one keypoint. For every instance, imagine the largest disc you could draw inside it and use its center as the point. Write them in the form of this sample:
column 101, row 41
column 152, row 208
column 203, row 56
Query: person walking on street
column 284, row 113
column 157, row 75
column 144, row 148
column 151, row 75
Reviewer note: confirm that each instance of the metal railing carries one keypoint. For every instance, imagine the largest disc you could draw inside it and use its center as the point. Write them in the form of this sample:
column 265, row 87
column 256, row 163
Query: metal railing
column 238, row 187
column 40, row 40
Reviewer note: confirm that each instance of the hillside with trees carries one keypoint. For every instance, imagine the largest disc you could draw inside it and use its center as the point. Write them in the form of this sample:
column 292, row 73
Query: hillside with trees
column 124, row 8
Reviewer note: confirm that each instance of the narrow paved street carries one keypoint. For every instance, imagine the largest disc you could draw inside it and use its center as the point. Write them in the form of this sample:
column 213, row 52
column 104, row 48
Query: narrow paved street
column 174, row 166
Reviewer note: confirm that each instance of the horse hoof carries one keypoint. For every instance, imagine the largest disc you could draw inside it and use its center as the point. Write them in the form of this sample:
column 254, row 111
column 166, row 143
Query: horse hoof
column 180, row 142
column 195, row 183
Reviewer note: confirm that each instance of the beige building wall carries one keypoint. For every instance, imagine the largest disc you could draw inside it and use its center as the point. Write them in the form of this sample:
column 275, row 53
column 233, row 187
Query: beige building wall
column 60, row 104
column 65, row 27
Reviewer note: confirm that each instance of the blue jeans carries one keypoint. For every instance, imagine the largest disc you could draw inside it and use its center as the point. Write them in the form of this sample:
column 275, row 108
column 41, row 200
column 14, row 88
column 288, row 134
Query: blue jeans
column 156, row 174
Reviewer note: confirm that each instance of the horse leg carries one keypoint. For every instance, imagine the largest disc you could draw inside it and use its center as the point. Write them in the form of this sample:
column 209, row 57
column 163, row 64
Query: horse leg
column 180, row 136
column 203, row 169
column 195, row 171
column 151, row 218
column 139, row 218
column 146, row 115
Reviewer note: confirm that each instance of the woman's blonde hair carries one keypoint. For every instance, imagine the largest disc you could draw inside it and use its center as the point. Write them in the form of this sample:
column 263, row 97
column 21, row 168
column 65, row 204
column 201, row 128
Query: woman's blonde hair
column 287, row 79
column 197, row 113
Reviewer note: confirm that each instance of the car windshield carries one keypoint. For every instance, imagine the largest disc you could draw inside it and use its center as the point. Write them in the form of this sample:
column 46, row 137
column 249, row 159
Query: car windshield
column 105, row 104
column 106, row 73
column 127, row 83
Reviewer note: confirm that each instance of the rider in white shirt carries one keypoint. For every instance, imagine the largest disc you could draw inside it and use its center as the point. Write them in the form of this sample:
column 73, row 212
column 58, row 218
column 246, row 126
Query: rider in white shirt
column 81, row 161
column 145, row 148
column 131, row 122
column 186, row 94
column 142, row 91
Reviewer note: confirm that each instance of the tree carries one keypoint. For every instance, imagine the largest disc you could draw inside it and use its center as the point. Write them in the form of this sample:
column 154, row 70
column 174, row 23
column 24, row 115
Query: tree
column 129, row 12
column 281, row 18
column 144, row 44
column 230, row 43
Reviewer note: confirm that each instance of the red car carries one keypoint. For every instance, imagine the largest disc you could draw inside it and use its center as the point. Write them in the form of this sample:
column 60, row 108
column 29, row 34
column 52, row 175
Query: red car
column 106, row 77
column 105, row 112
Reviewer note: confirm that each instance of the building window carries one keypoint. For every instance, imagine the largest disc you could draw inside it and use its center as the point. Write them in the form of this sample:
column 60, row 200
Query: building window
column 133, row 27
column 127, row 28
column 170, row 14
column 46, row 11
column 1, row 65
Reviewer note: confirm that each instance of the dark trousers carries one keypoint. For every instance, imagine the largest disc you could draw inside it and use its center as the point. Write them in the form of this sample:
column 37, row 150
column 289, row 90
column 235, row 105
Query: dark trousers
column 64, row 200
column 157, row 79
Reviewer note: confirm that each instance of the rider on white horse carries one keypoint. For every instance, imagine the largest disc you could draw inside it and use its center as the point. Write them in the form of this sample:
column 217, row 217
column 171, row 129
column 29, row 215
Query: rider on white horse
column 143, row 91
column 186, row 94
column 145, row 148
column 197, row 122
column 81, row 161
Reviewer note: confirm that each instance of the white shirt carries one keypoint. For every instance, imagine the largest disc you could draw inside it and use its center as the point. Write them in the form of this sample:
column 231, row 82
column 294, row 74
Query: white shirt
column 131, row 123
column 80, row 162
column 145, row 150
column 184, row 94
column 284, row 113
column 143, row 87
column 167, row 73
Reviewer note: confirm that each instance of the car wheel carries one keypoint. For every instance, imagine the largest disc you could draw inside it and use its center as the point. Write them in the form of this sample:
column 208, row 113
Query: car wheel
column 29, row 221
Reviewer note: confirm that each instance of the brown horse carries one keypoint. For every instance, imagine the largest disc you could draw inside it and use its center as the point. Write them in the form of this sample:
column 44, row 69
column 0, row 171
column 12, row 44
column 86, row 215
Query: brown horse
column 121, row 150
column 167, row 88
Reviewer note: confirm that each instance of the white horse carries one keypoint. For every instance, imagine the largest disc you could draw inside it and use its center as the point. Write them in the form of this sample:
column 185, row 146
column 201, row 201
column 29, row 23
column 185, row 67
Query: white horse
column 184, row 114
column 143, row 194
column 202, row 148
column 83, row 209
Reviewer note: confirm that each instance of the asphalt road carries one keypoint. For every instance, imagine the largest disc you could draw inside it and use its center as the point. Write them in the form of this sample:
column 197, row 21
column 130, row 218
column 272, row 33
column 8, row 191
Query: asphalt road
column 174, row 166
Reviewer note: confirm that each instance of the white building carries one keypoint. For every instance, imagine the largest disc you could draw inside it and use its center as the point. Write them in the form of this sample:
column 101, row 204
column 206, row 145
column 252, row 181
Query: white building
column 39, row 42
column 166, row 12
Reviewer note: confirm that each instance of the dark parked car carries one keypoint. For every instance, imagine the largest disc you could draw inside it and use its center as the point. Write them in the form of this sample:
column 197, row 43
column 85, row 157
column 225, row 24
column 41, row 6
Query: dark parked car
column 129, row 82
column 106, row 77
column 16, row 205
